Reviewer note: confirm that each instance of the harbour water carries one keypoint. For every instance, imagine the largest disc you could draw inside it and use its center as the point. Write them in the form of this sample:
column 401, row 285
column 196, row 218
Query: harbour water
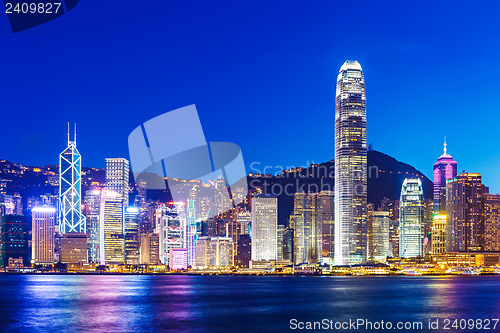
column 182, row 303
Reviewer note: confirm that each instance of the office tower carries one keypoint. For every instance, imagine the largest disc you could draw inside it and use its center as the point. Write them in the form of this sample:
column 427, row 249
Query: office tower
column 428, row 220
column 243, row 251
column 307, row 237
column 491, row 220
column 288, row 241
column 378, row 235
column 18, row 204
column 172, row 230
column 150, row 249
column 71, row 218
column 391, row 206
column 42, row 235
column 222, row 200
column 92, row 212
column 209, row 227
column 14, row 239
column 463, row 204
column 214, row 252
column 113, row 216
column 178, row 259
column 7, row 204
column 74, row 248
column 438, row 244
column 233, row 230
column 327, row 223
column 394, row 236
column 411, row 215
column 264, row 227
column 350, row 166
column 117, row 177
column 203, row 252
column 280, row 237
column 131, row 243
column 245, row 220
column 445, row 169
column 191, row 228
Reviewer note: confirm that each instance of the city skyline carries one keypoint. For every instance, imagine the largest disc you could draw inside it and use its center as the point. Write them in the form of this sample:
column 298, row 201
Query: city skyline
column 433, row 81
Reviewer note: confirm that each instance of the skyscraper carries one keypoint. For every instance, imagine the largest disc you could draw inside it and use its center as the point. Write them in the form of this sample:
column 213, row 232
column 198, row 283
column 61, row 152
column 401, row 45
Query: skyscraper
column 307, row 237
column 117, row 177
column 191, row 228
column 438, row 246
column 14, row 239
column 92, row 208
column 411, row 214
column 131, row 244
column 281, row 236
column 264, row 227
column 378, row 231
column 444, row 169
column 464, row 208
column 113, row 217
column 42, row 235
column 491, row 220
column 71, row 218
column 172, row 230
column 327, row 222
column 350, row 166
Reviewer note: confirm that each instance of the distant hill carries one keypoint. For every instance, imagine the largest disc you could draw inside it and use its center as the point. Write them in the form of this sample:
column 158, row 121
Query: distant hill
column 385, row 178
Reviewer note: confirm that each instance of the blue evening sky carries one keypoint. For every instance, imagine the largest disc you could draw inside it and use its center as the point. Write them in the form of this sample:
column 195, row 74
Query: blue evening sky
column 261, row 73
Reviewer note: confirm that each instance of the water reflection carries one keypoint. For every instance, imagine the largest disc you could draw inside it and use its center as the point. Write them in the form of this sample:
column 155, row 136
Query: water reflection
column 108, row 303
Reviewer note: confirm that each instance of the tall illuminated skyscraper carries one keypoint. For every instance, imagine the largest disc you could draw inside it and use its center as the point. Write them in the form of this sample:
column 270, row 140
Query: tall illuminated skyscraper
column 444, row 169
column 464, row 207
column 172, row 229
column 378, row 235
column 117, row 177
column 191, row 228
column 71, row 218
column 42, row 235
column 491, row 220
column 411, row 215
column 113, row 237
column 350, row 166
column 264, row 227
column 131, row 244
column 307, row 236
column 438, row 246
column 92, row 210
column 327, row 220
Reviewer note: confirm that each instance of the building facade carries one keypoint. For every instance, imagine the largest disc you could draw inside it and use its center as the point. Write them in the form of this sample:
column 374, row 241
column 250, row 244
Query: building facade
column 71, row 218
column 378, row 235
column 131, row 236
column 445, row 169
column 14, row 239
column 491, row 220
column 113, row 235
column 264, row 227
column 42, row 235
column 92, row 212
column 117, row 177
column 411, row 224
column 350, row 166
column 327, row 223
column 438, row 245
column 464, row 209
column 307, row 228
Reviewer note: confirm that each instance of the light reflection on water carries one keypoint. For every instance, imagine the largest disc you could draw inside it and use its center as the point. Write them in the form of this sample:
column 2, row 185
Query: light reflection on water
column 118, row 303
